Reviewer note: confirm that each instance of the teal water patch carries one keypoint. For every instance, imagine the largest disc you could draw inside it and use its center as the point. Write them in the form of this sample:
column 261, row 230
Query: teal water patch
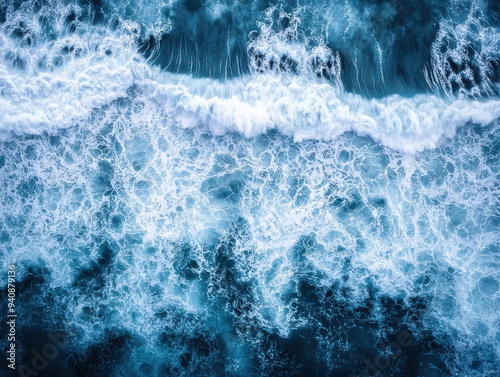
column 218, row 255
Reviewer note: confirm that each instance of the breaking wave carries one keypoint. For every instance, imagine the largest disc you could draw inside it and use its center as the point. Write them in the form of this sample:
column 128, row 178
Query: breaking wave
column 240, row 188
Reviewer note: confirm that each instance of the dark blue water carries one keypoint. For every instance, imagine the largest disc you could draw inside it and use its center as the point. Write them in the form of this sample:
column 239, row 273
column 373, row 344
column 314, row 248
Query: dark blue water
column 206, row 188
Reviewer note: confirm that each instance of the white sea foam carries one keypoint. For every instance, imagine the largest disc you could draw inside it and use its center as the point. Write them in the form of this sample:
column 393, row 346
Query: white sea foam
column 367, row 220
column 464, row 56
column 94, row 69
column 308, row 110
column 362, row 218
column 297, row 106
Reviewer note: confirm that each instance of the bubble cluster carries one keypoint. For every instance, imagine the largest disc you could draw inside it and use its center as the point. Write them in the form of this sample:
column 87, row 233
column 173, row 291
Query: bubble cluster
column 199, row 213
column 465, row 57
column 216, row 251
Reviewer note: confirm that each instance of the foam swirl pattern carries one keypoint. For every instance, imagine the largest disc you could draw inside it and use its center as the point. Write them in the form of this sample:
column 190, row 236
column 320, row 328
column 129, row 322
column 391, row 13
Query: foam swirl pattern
column 281, row 203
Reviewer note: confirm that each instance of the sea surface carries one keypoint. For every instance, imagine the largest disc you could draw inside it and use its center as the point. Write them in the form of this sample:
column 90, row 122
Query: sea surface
column 251, row 187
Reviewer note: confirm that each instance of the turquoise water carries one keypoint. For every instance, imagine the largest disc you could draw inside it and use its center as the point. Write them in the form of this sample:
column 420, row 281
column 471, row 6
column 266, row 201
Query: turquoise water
column 258, row 206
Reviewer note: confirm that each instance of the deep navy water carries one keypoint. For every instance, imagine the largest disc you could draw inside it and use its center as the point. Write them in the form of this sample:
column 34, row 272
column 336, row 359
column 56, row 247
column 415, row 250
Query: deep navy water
column 251, row 188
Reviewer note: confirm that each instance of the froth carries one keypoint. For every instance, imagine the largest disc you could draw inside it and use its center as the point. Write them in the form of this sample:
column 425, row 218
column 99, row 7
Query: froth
column 94, row 69
column 98, row 66
column 193, row 233
column 315, row 110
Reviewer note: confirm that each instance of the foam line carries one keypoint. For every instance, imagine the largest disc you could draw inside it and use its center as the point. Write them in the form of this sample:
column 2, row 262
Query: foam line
column 251, row 105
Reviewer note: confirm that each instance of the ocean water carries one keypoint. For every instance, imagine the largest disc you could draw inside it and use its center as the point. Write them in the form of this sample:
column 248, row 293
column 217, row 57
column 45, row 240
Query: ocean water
column 251, row 188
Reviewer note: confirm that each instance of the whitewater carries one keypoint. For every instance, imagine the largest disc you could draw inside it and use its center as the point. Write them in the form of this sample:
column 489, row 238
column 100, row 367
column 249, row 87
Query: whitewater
column 253, row 188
